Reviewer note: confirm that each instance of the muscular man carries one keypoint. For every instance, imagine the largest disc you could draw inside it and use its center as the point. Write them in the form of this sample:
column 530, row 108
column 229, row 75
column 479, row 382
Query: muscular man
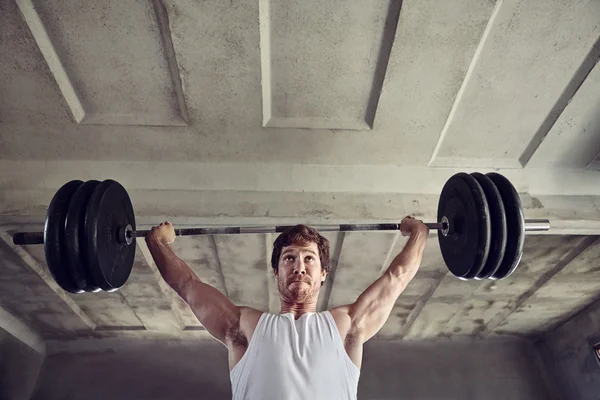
column 298, row 353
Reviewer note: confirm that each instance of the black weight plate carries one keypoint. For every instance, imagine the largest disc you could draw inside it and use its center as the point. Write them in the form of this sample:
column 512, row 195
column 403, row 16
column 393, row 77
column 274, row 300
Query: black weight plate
column 109, row 209
column 515, row 226
column 465, row 249
column 79, row 267
column 54, row 237
column 498, row 226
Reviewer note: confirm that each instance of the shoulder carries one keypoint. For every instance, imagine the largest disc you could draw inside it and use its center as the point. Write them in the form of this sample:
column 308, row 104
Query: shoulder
column 249, row 315
column 341, row 316
column 342, row 312
column 248, row 319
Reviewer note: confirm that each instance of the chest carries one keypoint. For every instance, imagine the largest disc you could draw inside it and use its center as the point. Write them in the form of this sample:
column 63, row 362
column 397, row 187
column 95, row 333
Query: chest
column 313, row 338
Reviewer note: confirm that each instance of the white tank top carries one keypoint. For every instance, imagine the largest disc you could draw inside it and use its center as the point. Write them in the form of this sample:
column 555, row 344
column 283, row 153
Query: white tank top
column 295, row 359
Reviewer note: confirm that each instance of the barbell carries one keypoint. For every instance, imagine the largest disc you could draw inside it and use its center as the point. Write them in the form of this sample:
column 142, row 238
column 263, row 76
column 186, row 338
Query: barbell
column 90, row 229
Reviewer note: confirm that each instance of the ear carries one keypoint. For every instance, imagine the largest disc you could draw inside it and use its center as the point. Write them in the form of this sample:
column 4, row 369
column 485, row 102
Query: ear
column 275, row 273
column 323, row 275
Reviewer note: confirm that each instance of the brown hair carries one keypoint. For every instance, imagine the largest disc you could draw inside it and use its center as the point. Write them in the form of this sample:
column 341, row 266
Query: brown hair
column 301, row 235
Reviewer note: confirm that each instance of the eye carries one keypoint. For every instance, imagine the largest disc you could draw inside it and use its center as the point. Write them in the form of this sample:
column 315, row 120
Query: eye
column 289, row 258
column 310, row 258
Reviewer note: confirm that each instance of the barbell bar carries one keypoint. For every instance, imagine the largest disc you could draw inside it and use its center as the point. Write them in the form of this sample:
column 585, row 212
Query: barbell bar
column 90, row 229
column 126, row 233
column 33, row 238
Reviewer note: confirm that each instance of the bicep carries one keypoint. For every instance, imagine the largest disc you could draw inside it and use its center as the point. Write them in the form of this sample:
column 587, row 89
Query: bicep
column 373, row 307
column 215, row 311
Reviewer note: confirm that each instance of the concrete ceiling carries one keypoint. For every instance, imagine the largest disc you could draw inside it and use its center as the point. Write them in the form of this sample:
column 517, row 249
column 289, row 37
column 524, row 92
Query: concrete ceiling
column 261, row 112
column 461, row 84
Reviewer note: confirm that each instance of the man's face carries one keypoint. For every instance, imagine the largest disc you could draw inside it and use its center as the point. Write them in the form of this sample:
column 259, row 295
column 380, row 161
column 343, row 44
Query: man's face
column 300, row 274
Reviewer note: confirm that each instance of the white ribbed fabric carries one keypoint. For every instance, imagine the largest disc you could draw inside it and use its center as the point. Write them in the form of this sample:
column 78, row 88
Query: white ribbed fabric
column 289, row 359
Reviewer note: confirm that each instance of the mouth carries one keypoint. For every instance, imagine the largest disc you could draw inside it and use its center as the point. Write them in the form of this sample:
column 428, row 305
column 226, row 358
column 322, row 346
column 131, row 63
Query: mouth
column 298, row 281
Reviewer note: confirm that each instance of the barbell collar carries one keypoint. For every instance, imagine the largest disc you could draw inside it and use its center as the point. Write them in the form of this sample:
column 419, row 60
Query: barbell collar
column 537, row 225
column 26, row 238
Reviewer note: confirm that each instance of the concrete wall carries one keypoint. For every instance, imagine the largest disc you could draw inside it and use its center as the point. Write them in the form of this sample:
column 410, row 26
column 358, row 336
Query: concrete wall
column 452, row 371
column 198, row 370
column 568, row 350
column 19, row 368
column 138, row 370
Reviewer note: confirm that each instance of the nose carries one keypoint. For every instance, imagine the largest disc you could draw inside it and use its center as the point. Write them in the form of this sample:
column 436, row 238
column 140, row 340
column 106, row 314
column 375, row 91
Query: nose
column 300, row 268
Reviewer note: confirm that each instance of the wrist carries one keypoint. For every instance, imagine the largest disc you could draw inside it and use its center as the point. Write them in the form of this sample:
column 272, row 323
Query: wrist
column 420, row 229
column 155, row 241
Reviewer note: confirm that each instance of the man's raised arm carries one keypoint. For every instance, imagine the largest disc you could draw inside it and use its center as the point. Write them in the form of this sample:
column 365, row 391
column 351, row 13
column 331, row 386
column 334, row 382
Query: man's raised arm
column 373, row 307
column 215, row 311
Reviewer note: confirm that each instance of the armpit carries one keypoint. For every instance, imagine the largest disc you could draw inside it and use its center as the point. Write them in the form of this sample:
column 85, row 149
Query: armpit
column 353, row 338
column 236, row 336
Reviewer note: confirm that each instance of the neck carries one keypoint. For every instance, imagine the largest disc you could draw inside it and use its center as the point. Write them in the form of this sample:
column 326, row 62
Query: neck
column 297, row 309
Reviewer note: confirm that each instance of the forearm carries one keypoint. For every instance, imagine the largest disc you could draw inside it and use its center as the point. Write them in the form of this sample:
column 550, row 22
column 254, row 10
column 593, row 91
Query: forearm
column 407, row 262
column 174, row 271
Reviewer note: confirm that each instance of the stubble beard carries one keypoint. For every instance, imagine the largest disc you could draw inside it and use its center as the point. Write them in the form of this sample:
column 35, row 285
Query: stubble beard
column 297, row 293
